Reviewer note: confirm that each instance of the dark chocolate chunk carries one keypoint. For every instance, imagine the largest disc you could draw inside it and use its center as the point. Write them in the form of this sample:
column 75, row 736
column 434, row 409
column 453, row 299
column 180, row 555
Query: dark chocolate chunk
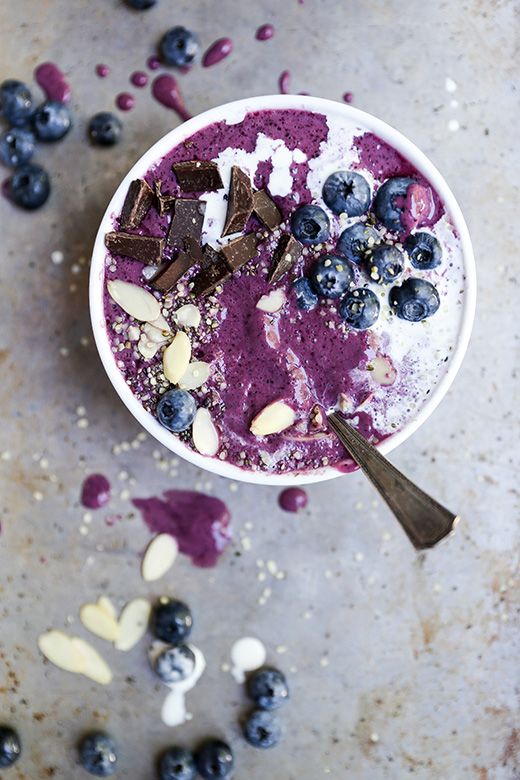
column 240, row 251
column 266, row 209
column 164, row 203
column 210, row 276
column 197, row 176
column 285, row 255
column 147, row 249
column 187, row 221
column 137, row 203
column 210, row 256
column 240, row 203
column 167, row 279
column 193, row 248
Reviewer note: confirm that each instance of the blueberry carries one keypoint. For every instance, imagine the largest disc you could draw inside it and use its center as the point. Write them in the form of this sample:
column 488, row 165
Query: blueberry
column 29, row 186
column 16, row 104
column 10, row 747
column 389, row 202
column 16, row 146
column 357, row 242
column 177, row 764
column 104, row 129
column 263, row 729
column 423, row 250
column 180, row 47
column 214, row 759
column 310, row 224
column 331, row 276
column 175, row 664
column 386, row 264
column 141, row 5
column 347, row 192
column 359, row 308
column 306, row 298
column 98, row 754
column 52, row 120
column 172, row 621
column 414, row 300
column 268, row 688
column 176, row 410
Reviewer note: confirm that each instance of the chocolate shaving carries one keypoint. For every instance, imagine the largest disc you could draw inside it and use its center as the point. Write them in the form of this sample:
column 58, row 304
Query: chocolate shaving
column 147, row 249
column 210, row 276
column 187, row 221
column 240, row 251
column 197, row 176
column 266, row 209
column 168, row 278
column 240, row 203
column 137, row 203
column 285, row 255
column 164, row 203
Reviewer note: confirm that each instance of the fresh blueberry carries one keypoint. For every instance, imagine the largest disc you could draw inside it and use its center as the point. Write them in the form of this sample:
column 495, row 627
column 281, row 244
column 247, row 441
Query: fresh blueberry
column 263, row 729
column 414, row 300
column 268, row 688
column 214, row 760
column 389, row 202
column 359, row 308
column 175, row 664
column 331, row 276
column 16, row 104
column 29, row 186
column 141, row 5
column 306, row 298
column 176, row 410
column 98, row 754
column 177, row 764
column 16, row 146
column 52, row 120
column 357, row 242
column 347, row 192
column 423, row 250
column 386, row 264
column 105, row 129
column 310, row 224
column 172, row 621
column 179, row 47
column 10, row 747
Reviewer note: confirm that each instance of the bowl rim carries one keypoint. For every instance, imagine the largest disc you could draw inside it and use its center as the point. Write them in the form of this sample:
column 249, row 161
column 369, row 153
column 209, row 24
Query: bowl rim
column 239, row 108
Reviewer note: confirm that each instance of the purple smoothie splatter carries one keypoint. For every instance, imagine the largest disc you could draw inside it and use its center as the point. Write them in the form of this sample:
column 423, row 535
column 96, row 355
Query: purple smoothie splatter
column 139, row 79
column 102, row 70
column 53, row 82
column 284, row 82
column 95, row 491
column 217, row 52
column 125, row 101
column 265, row 32
column 153, row 62
column 166, row 91
column 348, row 97
column 293, row 499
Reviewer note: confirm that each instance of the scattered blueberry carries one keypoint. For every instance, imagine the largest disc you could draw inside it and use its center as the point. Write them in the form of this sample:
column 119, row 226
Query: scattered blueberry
column 359, row 308
column 10, row 747
column 176, row 410
column 179, row 47
column 386, row 264
column 331, row 276
column 310, row 224
column 414, row 300
column 357, row 242
column 172, row 621
column 268, row 688
column 98, row 754
column 16, row 104
column 347, row 192
column 387, row 207
column 423, row 250
column 306, row 298
column 16, row 146
column 141, row 5
column 175, row 664
column 29, row 186
column 214, row 759
column 263, row 729
column 177, row 764
column 52, row 120
column 105, row 129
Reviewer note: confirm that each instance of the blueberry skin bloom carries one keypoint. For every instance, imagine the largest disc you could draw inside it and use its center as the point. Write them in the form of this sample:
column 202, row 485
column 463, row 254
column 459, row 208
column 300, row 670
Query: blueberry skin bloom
column 16, row 104
column 424, row 250
column 176, row 410
column 268, row 688
column 347, row 192
column 359, row 308
column 179, row 47
column 357, row 242
column 172, row 621
column 387, row 207
column 16, row 146
column 331, row 276
column 306, row 298
column 98, row 754
column 10, row 747
column 52, row 121
column 105, row 129
column 414, row 300
column 214, row 760
column 177, row 764
column 386, row 264
column 310, row 224
column 29, row 186
column 175, row 664
column 263, row 729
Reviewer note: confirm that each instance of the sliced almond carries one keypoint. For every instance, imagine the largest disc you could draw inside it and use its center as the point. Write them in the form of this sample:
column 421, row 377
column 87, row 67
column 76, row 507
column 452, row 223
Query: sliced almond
column 133, row 623
column 135, row 300
column 272, row 302
column 161, row 324
column 59, row 649
column 106, row 605
column 204, row 433
column 195, row 375
column 94, row 666
column 176, row 357
column 154, row 334
column 148, row 349
column 96, row 620
column 188, row 316
column 274, row 418
column 159, row 557
column 383, row 372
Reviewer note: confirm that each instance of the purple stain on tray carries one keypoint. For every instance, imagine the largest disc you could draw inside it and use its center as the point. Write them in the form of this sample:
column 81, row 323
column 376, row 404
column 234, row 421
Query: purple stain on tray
column 265, row 32
column 125, row 101
column 95, row 491
column 139, row 79
column 153, row 62
column 53, row 82
column 348, row 97
column 217, row 52
column 166, row 91
column 284, row 82
column 293, row 499
column 199, row 523
column 102, row 71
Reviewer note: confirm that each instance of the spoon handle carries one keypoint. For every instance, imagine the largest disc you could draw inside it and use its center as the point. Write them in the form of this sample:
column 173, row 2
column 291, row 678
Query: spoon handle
column 424, row 520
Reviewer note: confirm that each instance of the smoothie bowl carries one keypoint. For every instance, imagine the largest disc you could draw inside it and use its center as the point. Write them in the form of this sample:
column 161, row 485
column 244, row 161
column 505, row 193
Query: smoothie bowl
column 272, row 260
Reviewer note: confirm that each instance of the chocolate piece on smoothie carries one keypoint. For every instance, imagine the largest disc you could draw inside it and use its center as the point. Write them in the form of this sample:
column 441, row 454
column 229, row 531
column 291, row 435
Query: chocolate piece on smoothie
column 238, row 252
column 197, row 176
column 146, row 249
column 210, row 256
column 240, row 203
column 188, row 218
column 210, row 276
column 193, row 248
column 285, row 255
column 137, row 203
column 266, row 209
column 164, row 203
column 168, row 278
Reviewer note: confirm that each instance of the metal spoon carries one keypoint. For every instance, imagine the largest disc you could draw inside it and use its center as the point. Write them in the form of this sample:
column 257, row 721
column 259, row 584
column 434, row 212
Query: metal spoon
column 424, row 520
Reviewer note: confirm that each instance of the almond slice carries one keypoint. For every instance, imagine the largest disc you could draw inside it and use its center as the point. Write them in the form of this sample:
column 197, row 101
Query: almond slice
column 106, row 605
column 159, row 557
column 176, row 357
column 188, row 316
column 94, row 666
column 161, row 324
column 204, row 433
column 272, row 302
column 154, row 334
column 148, row 349
column 59, row 649
column 383, row 372
column 195, row 375
column 135, row 300
column 274, row 418
column 96, row 620
column 133, row 624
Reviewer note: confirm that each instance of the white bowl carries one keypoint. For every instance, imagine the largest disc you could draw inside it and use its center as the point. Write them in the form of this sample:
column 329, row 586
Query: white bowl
column 234, row 111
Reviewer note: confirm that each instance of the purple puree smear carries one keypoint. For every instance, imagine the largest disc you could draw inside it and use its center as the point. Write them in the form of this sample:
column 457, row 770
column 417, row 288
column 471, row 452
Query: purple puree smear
column 284, row 82
column 166, row 91
column 217, row 52
column 200, row 523
column 293, row 499
column 95, row 492
column 53, row 82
